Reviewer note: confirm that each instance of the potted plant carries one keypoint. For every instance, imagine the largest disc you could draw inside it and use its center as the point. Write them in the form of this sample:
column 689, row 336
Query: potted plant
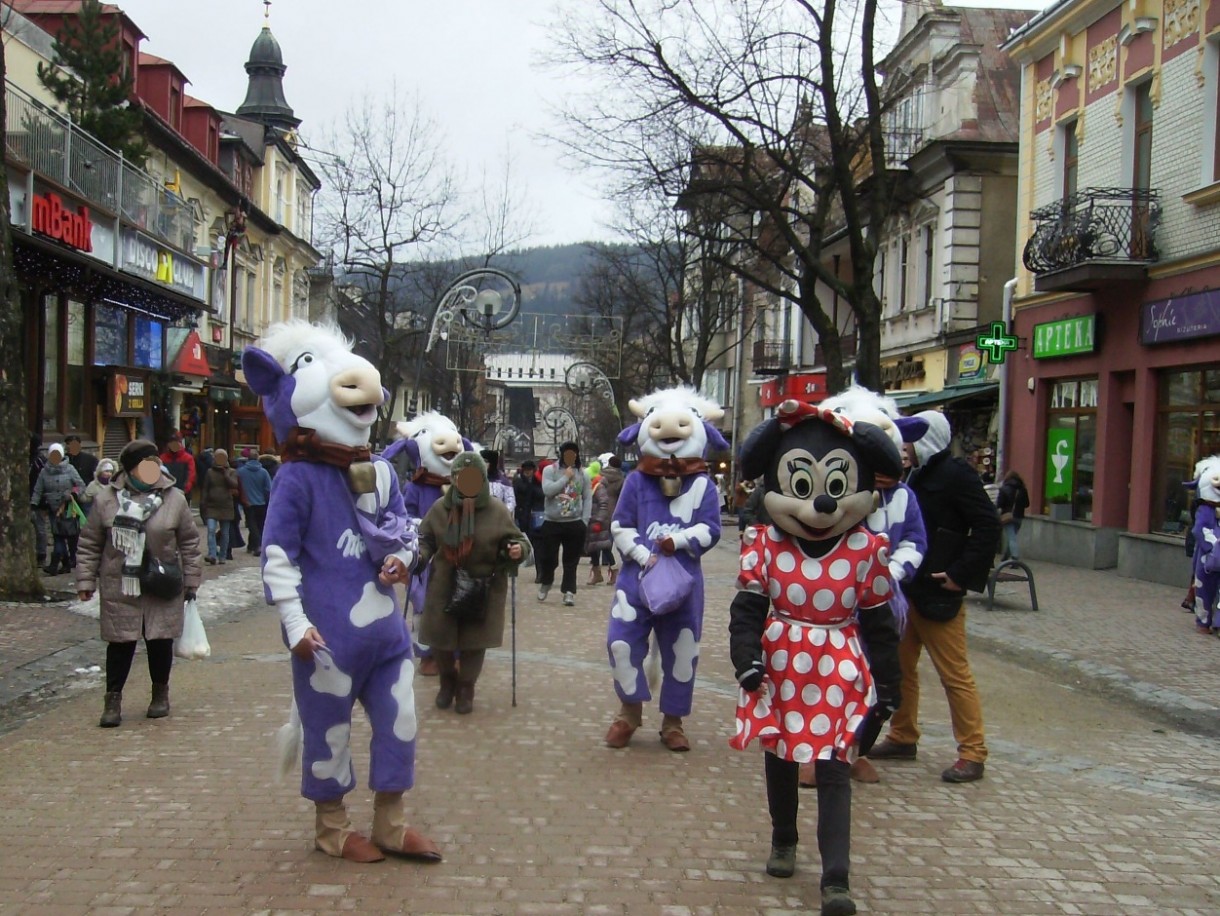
column 1061, row 507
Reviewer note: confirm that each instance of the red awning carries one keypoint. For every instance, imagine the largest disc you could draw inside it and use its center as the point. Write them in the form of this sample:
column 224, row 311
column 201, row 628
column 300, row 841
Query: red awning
column 191, row 360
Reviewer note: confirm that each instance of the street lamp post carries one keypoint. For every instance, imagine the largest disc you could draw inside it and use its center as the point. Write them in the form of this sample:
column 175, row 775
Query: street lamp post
column 557, row 419
column 586, row 378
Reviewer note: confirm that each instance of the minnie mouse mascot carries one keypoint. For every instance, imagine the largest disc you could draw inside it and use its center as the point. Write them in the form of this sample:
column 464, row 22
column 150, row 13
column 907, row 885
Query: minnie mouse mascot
column 809, row 582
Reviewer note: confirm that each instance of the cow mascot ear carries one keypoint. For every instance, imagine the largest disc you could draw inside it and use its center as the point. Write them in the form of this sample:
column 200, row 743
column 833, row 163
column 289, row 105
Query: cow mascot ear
column 877, row 449
column 759, row 448
column 262, row 371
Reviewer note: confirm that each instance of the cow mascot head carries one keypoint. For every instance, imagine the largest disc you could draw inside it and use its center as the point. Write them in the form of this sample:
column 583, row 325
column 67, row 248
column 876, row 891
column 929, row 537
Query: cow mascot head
column 673, row 433
column 427, row 446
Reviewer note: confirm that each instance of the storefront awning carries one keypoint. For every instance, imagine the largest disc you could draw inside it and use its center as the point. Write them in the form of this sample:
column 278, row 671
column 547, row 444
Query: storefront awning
column 949, row 394
column 191, row 360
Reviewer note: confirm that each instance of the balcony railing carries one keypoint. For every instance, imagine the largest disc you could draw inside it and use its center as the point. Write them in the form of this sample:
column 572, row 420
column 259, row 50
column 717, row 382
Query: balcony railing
column 55, row 148
column 1108, row 225
column 772, row 356
column 900, row 145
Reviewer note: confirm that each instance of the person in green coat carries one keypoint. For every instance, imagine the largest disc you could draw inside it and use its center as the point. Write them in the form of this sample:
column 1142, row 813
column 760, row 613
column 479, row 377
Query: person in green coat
column 473, row 543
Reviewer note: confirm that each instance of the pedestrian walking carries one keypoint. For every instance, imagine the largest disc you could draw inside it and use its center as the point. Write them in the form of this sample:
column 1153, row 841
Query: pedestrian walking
column 38, row 515
column 57, row 484
column 569, row 503
column 256, row 484
column 85, row 464
column 106, row 469
column 599, row 543
column 1012, row 501
column 180, row 464
column 216, row 505
column 499, row 482
column 139, row 515
column 471, row 540
column 531, row 503
column 963, row 533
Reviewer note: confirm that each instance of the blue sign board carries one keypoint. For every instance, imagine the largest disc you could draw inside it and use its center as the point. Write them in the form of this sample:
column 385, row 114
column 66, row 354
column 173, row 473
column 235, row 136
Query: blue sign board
column 1180, row 317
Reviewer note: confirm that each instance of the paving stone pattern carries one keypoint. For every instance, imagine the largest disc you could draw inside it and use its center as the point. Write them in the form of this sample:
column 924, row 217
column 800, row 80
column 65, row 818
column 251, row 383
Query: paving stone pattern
column 536, row 816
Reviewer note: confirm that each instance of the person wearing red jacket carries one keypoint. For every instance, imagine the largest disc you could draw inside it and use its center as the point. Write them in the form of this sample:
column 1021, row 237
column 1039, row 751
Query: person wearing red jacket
column 180, row 463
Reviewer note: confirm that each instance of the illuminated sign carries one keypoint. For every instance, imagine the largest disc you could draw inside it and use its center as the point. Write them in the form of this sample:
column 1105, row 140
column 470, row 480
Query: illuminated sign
column 1065, row 338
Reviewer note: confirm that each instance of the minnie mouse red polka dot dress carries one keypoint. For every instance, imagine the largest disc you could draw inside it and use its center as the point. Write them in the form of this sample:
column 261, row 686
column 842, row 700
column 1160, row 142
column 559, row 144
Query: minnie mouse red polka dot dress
column 818, row 685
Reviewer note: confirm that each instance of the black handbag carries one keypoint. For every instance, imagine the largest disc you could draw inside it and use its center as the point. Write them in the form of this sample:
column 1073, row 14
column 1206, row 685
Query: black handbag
column 159, row 579
column 65, row 525
column 468, row 602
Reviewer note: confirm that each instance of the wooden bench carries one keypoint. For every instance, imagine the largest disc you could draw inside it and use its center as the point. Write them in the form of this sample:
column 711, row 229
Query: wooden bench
column 1011, row 571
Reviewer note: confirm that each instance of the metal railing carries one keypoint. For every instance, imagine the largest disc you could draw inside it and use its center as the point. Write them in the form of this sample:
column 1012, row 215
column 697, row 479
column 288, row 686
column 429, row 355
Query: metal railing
column 772, row 355
column 56, row 149
column 1097, row 224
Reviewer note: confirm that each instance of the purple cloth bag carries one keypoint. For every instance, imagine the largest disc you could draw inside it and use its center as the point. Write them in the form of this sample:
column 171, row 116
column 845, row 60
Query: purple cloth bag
column 665, row 585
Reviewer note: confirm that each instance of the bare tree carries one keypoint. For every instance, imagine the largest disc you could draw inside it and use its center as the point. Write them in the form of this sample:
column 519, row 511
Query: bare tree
column 763, row 114
column 18, row 570
column 388, row 194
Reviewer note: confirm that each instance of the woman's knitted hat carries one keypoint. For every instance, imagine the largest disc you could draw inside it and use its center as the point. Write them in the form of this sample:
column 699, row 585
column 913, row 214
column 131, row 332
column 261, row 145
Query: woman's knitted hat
column 135, row 452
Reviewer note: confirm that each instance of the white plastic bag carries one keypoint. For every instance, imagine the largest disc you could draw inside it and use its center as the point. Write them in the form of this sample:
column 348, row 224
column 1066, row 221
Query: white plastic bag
column 193, row 643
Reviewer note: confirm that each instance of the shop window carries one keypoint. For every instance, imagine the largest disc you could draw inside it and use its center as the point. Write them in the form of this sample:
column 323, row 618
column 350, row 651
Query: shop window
column 51, row 356
column 149, row 348
column 74, row 374
column 109, row 336
column 1072, row 445
column 1188, row 429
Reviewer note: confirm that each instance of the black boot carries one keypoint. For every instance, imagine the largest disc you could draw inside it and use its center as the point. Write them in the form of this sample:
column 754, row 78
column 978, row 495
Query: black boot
column 444, row 696
column 159, row 707
column 112, row 712
column 465, row 698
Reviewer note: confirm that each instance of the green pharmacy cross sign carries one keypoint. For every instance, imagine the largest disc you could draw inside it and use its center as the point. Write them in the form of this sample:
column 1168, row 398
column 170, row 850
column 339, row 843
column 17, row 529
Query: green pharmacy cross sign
column 997, row 343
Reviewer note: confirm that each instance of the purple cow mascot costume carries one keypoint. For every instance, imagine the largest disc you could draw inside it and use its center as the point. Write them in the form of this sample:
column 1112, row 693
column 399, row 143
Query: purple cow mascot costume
column 807, row 581
column 424, row 458
column 1207, row 544
column 668, row 505
column 336, row 541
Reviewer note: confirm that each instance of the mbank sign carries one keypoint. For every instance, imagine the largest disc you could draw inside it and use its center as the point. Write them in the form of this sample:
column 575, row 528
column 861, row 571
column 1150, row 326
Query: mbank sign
column 50, row 217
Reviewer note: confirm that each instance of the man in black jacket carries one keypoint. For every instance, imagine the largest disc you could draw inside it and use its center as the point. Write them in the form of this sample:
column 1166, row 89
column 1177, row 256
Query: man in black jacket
column 963, row 532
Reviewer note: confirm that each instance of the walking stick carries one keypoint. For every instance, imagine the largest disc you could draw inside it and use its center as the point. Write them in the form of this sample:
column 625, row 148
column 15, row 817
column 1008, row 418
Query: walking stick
column 512, row 587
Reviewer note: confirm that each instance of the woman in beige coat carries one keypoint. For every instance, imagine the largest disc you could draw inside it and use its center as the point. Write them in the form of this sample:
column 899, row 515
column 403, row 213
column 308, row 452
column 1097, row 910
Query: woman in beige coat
column 140, row 511
column 472, row 542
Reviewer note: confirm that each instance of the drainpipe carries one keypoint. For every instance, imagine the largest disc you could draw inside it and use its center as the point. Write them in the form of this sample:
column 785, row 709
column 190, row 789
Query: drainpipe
column 1010, row 288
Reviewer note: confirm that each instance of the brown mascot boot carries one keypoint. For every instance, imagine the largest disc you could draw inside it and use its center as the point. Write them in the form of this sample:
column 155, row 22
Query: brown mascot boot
column 335, row 836
column 427, row 666
column 629, row 718
column 391, row 833
column 672, row 735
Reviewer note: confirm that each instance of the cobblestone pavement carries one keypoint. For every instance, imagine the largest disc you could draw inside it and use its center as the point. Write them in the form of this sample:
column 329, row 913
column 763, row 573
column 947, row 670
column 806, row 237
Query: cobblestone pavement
column 1088, row 806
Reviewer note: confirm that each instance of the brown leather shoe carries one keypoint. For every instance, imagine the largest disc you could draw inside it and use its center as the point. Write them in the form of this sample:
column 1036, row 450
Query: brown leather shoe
column 963, row 771
column 892, row 750
column 864, row 771
column 619, row 734
column 358, row 848
column 415, row 846
column 428, row 666
column 675, row 740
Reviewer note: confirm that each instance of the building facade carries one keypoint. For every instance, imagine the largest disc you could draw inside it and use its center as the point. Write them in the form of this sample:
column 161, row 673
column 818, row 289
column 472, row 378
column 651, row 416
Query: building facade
column 1116, row 391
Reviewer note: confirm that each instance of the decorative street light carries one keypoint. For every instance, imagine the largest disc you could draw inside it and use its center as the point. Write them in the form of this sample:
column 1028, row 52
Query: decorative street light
column 486, row 298
column 586, row 378
column 558, row 420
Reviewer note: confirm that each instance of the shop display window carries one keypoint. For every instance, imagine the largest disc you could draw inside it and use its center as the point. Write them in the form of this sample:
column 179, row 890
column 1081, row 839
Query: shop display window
column 1073, row 418
column 148, row 339
column 110, row 336
column 1188, row 429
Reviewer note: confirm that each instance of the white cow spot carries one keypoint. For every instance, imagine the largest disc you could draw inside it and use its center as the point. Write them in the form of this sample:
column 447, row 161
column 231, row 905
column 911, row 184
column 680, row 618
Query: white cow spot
column 372, row 606
column 327, row 678
column 686, row 651
column 403, row 692
column 683, row 507
column 621, row 609
column 625, row 673
column 339, row 766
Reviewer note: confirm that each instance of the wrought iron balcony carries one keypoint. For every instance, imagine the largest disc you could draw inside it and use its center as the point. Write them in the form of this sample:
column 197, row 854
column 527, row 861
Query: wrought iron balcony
column 772, row 356
column 1094, row 238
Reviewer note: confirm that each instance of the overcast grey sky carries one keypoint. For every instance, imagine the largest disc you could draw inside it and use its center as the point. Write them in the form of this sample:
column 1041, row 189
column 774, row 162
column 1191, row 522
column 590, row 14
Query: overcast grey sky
column 473, row 63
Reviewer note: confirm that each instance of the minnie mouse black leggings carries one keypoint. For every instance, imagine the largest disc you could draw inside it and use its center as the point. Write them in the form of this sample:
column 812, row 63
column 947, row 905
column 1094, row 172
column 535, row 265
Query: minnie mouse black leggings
column 834, row 812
